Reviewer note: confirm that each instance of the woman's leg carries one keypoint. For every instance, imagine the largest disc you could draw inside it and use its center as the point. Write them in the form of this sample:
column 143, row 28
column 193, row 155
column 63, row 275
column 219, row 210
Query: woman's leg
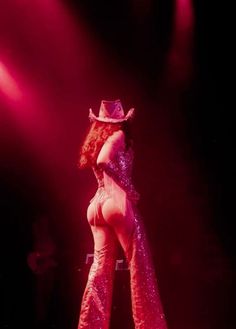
column 96, row 302
column 146, row 303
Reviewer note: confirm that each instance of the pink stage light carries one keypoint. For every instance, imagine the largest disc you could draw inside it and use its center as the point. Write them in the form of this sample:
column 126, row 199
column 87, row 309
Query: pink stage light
column 8, row 84
column 180, row 57
column 184, row 14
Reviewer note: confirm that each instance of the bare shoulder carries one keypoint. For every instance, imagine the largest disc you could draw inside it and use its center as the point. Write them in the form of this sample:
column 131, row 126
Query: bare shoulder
column 114, row 143
column 117, row 137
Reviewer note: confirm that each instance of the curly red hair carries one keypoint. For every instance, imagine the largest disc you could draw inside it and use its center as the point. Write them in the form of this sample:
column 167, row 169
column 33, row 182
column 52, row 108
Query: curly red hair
column 96, row 137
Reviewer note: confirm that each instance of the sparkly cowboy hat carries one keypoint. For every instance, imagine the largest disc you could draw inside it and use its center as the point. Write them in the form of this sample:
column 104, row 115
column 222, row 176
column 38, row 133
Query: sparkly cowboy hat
column 111, row 112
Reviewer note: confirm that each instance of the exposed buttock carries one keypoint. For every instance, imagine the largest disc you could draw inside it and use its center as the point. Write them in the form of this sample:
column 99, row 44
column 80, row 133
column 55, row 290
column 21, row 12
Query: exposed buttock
column 94, row 211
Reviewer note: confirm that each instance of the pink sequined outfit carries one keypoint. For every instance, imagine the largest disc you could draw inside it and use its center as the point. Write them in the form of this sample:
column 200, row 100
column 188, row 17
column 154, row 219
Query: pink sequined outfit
column 114, row 181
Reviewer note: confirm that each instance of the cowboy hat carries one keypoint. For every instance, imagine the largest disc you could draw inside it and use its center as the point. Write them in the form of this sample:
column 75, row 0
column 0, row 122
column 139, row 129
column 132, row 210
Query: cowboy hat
column 111, row 112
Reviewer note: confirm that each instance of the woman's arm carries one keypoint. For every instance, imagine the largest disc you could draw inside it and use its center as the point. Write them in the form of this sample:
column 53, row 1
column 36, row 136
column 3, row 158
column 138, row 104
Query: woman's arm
column 116, row 143
column 113, row 144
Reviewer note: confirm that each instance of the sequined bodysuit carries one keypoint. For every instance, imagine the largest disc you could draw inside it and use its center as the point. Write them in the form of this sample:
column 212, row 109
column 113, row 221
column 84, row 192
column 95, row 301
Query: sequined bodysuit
column 114, row 181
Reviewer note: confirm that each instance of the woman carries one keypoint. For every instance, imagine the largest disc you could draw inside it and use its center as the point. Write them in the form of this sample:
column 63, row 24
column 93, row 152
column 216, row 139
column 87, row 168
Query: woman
column 113, row 218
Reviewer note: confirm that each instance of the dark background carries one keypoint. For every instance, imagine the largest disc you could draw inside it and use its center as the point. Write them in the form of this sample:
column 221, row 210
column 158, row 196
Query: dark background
column 184, row 167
